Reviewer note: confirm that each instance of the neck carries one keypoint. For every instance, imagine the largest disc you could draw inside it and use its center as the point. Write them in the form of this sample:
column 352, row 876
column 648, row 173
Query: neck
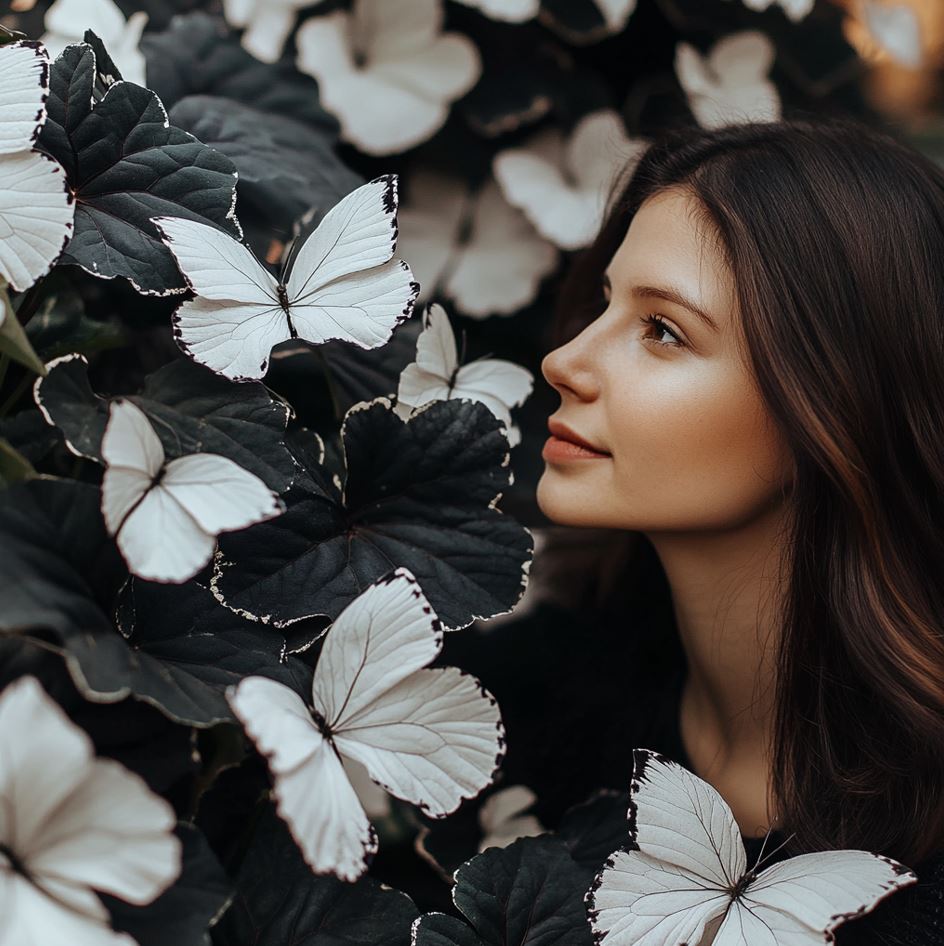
column 727, row 597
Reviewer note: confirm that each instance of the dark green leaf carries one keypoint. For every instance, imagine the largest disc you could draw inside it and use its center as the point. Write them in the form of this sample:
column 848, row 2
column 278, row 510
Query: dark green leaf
column 527, row 894
column 279, row 901
column 126, row 164
column 418, row 494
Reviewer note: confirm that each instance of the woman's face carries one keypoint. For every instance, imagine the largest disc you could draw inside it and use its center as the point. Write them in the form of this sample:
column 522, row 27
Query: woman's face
column 681, row 438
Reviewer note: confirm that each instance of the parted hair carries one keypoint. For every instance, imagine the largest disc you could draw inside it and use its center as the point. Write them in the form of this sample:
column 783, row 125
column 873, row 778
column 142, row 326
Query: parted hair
column 834, row 233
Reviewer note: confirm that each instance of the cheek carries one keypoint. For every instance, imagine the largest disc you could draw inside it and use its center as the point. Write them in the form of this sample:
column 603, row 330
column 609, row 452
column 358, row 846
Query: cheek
column 693, row 449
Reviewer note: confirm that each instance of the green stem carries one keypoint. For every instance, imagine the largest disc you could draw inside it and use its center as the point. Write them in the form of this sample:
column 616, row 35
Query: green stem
column 30, row 302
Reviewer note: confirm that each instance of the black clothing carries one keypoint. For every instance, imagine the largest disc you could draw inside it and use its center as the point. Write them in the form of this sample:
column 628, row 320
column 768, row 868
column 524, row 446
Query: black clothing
column 579, row 692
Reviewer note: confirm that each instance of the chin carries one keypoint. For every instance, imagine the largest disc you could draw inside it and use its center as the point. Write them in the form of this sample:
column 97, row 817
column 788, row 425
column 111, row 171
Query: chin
column 567, row 505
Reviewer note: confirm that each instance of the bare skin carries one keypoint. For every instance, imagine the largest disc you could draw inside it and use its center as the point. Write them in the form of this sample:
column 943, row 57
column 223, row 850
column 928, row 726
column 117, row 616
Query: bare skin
column 683, row 450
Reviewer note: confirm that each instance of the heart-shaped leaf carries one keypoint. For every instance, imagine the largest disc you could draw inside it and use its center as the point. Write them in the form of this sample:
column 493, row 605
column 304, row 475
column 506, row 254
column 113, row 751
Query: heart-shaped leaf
column 191, row 409
column 529, row 893
column 126, row 164
column 280, row 901
column 418, row 493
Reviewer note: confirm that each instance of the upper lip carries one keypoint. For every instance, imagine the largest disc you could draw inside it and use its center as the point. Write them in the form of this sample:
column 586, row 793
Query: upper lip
column 563, row 432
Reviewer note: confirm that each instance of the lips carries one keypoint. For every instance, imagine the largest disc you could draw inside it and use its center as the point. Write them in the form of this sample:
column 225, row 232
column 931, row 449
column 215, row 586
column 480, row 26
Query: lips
column 563, row 432
column 565, row 444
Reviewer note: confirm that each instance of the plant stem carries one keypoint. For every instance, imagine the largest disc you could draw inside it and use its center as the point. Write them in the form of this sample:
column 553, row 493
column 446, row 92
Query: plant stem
column 18, row 392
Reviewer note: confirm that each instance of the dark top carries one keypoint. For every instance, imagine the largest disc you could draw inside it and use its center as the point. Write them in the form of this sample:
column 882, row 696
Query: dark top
column 578, row 693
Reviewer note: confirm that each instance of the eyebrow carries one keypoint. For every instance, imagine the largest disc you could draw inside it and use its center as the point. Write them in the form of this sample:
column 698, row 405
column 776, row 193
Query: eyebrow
column 670, row 294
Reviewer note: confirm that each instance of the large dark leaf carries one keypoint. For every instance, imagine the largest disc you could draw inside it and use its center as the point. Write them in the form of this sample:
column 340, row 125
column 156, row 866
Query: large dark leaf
column 58, row 567
column 191, row 409
column 126, row 164
column 594, row 829
column 527, row 894
column 59, row 572
column 199, row 55
column 279, row 901
column 183, row 914
column 418, row 494
column 285, row 166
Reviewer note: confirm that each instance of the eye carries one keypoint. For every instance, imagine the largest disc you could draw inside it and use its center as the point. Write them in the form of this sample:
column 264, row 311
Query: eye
column 660, row 327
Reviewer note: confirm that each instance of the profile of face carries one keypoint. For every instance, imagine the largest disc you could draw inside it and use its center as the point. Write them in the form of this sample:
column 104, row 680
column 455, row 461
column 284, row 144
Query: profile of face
column 661, row 426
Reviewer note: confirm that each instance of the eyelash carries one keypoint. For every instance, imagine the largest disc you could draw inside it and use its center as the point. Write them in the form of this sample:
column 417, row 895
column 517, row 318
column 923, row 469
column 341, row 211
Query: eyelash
column 655, row 321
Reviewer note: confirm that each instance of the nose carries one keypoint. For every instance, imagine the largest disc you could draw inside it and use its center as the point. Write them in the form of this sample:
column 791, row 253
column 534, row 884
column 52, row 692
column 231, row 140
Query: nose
column 569, row 369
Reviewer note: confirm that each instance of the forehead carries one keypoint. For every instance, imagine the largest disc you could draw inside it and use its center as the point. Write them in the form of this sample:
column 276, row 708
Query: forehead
column 669, row 243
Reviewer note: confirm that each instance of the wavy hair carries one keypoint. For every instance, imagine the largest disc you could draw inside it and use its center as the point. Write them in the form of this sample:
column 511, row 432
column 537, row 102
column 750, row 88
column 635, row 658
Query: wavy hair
column 834, row 232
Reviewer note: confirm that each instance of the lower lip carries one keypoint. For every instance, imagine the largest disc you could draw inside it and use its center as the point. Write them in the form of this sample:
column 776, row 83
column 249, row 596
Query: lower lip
column 557, row 450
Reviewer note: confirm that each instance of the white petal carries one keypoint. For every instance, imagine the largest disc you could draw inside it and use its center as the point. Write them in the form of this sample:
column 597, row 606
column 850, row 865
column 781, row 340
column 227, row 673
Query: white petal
column 69, row 19
column 501, row 266
column 396, row 29
column 268, row 29
column 616, row 12
column 498, row 384
column 215, row 265
column 160, row 540
column 442, row 72
column 433, row 739
column 505, row 805
column 385, row 634
column 238, row 12
column 36, row 216
column 323, row 51
column 816, row 892
column 429, row 220
column 114, row 835
column 511, row 11
column 130, row 441
column 43, row 757
column 638, row 900
column 731, row 85
column 218, row 493
column 375, row 801
column 234, row 339
column 28, row 917
column 358, row 233
column 313, row 794
column 24, row 84
column 363, row 308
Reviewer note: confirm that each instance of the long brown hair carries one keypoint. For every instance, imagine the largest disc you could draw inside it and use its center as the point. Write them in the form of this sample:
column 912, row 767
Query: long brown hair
column 834, row 232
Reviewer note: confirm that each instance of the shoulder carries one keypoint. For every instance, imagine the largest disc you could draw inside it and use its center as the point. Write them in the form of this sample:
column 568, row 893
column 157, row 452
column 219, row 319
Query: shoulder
column 913, row 916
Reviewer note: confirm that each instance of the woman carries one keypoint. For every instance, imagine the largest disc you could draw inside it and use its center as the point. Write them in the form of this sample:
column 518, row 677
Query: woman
column 752, row 398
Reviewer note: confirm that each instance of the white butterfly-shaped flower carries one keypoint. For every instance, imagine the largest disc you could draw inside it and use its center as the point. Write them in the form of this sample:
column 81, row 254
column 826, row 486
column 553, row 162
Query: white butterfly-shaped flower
column 896, row 29
column 502, row 820
column 67, row 20
column 730, row 84
column 436, row 375
column 166, row 515
column 690, row 875
column 267, row 23
column 72, row 824
column 341, row 282
column 431, row 737
column 36, row 206
column 562, row 186
column 796, row 10
column 474, row 248
column 387, row 71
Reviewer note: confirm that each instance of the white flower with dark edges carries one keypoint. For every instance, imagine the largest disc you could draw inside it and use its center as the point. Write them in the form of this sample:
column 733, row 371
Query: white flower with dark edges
column 730, row 84
column 472, row 247
column 508, row 11
column 36, row 206
column 67, row 20
column 430, row 736
column 683, row 875
column 72, row 824
column 387, row 71
column 437, row 375
column 267, row 24
column 562, row 185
